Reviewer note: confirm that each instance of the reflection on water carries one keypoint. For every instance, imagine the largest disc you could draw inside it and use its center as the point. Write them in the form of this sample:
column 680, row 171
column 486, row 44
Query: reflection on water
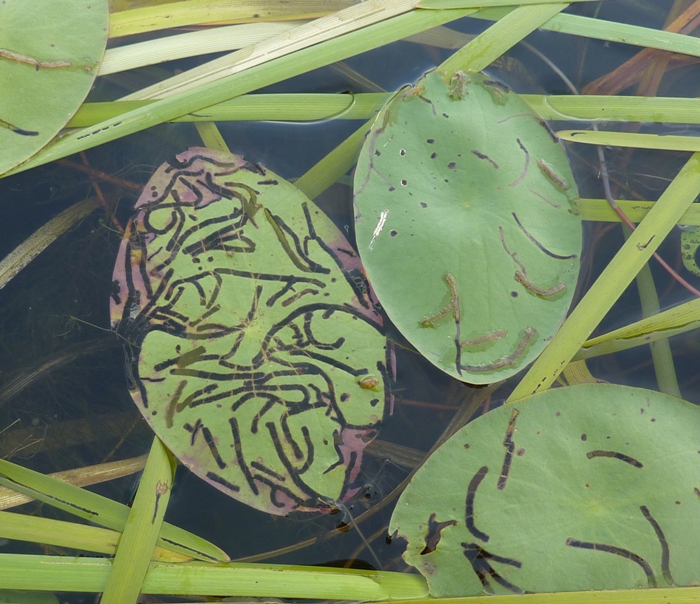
column 63, row 392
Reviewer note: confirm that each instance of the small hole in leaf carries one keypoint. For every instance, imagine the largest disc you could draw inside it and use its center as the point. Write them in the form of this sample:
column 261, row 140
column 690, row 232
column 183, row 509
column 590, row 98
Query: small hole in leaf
column 433, row 155
column 393, row 233
column 430, row 141
column 404, row 182
column 514, row 294
column 423, row 204
column 584, row 437
column 402, row 152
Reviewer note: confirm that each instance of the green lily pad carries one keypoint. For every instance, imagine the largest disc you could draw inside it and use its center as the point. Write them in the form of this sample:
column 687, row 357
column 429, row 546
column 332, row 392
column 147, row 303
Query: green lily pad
column 587, row 487
column 49, row 57
column 467, row 224
column 258, row 354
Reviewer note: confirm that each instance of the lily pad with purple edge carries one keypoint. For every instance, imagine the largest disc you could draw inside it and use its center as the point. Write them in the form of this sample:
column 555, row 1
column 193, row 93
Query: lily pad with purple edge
column 257, row 351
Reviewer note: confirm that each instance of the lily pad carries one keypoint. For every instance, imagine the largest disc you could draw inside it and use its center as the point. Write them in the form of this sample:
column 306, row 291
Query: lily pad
column 586, row 487
column 467, row 224
column 49, row 57
column 258, row 354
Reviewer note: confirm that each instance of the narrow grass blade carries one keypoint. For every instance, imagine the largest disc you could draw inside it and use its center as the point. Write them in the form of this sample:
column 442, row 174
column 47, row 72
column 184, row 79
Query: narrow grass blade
column 671, row 322
column 291, row 107
column 192, row 12
column 99, row 510
column 501, row 36
column 327, row 171
column 661, row 356
column 31, row 247
column 64, row 573
column 599, row 210
column 211, row 137
column 47, row 531
column 80, row 477
column 632, row 140
column 241, row 83
column 130, row 565
column 576, row 372
column 192, row 44
column 56, row 532
column 615, row 108
column 634, row 254
column 305, row 107
column 600, row 29
column 321, row 31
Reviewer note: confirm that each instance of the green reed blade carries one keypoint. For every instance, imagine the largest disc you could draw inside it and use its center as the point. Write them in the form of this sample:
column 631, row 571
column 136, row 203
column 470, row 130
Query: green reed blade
column 671, row 322
column 57, row 532
column 54, row 573
column 98, row 509
column 336, row 163
column 192, row 12
column 632, row 140
column 600, row 29
column 500, row 37
column 142, row 527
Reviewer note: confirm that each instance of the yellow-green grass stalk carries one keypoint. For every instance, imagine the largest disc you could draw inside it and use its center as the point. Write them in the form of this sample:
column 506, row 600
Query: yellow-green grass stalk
column 610, row 31
column 194, row 12
column 22, row 527
column 100, row 510
column 191, row 44
column 292, row 107
column 83, row 476
column 599, row 210
column 138, row 540
column 673, row 321
column 52, row 573
column 661, row 356
column 500, row 37
column 632, row 140
column 307, row 107
column 336, row 163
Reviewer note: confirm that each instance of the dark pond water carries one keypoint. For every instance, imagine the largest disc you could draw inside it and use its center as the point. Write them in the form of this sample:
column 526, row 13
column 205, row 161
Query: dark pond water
column 73, row 408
